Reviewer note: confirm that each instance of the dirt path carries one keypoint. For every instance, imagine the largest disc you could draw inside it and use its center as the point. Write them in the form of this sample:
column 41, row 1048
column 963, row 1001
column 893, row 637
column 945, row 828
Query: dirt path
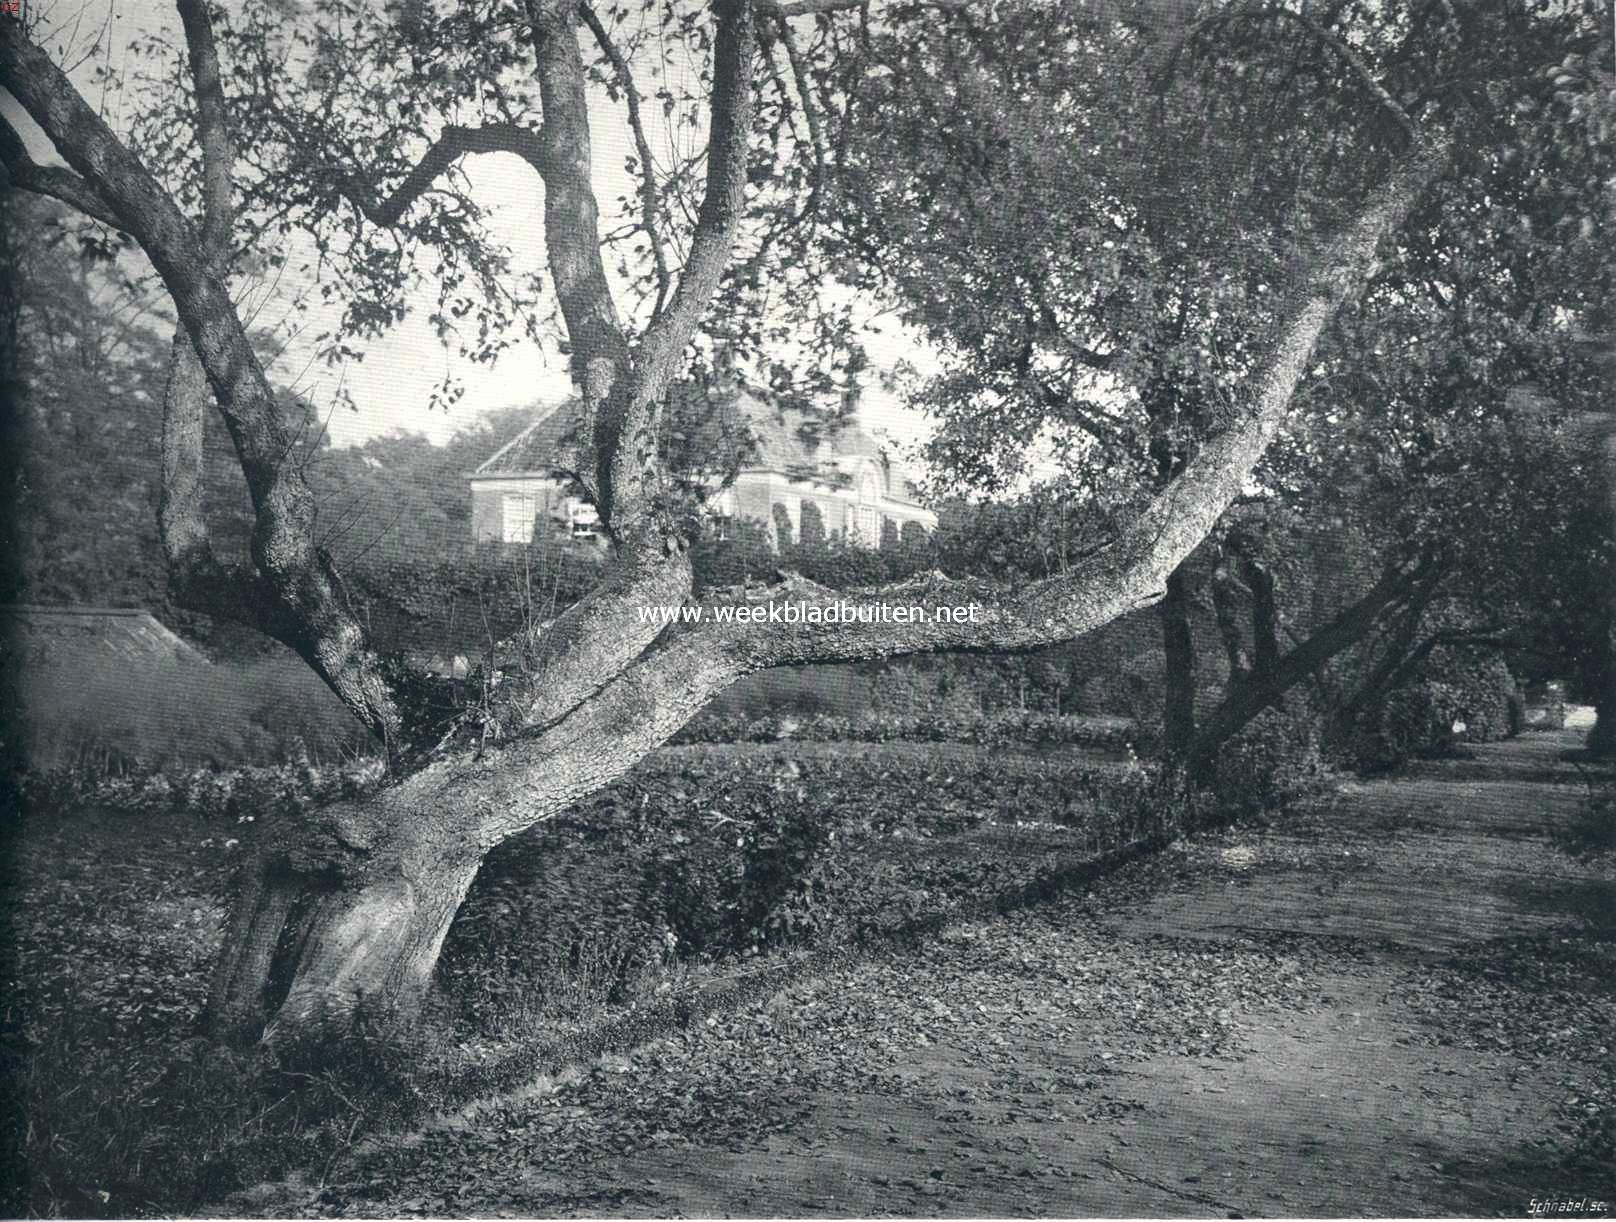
column 1403, row 1005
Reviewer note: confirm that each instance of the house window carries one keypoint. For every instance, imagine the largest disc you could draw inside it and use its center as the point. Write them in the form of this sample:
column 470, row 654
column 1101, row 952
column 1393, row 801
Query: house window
column 580, row 517
column 516, row 518
column 721, row 509
column 869, row 517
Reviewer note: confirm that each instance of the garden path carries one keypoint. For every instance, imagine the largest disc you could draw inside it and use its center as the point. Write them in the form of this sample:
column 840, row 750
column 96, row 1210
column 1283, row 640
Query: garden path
column 1401, row 1003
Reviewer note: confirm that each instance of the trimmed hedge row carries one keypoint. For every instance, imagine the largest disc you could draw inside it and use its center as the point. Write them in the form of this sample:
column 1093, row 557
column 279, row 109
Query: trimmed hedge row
column 1001, row 729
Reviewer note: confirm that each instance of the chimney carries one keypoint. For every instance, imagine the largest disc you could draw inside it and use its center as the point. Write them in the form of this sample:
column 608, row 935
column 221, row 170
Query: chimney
column 850, row 399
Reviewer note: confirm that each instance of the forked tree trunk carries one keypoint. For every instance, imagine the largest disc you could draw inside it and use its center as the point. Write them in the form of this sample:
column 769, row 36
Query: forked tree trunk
column 383, row 877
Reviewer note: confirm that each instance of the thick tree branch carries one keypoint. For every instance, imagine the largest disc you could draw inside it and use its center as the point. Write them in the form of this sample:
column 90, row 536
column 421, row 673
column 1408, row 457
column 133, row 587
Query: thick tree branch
column 1263, row 688
column 1132, row 571
column 601, row 363
column 591, row 642
column 300, row 577
column 213, row 134
column 799, row 74
column 197, row 579
column 722, row 205
column 55, row 181
column 453, row 143
column 1399, row 647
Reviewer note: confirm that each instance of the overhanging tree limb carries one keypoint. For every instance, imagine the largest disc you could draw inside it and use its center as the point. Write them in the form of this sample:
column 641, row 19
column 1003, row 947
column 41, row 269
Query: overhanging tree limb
column 645, row 704
column 1131, row 572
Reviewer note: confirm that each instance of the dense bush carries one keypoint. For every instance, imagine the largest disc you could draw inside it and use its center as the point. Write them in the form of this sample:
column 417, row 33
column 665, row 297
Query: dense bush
column 1272, row 763
column 1454, row 695
column 711, row 853
column 241, row 794
column 1482, row 690
column 953, row 723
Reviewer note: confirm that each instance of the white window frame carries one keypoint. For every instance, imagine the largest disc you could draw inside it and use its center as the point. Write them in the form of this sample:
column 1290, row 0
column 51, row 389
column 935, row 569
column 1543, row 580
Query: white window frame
column 517, row 510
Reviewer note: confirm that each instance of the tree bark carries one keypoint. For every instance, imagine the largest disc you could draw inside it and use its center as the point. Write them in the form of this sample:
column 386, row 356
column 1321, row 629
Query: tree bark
column 366, row 963
column 1602, row 737
column 1179, row 659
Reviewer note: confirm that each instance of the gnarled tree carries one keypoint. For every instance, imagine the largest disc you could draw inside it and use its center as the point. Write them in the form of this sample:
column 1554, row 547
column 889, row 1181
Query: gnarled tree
column 370, row 886
column 1095, row 279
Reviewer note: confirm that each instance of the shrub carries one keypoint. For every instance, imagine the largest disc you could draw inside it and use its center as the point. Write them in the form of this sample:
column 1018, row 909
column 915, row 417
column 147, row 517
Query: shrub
column 178, row 713
column 241, row 794
column 955, row 722
column 713, row 853
column 1483, row 691
column 1417, row 720
column 1271, row 764
column 1454, row 695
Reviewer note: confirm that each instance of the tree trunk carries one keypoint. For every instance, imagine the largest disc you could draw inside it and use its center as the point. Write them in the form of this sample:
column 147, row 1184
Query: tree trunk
column 339, row 921
column 1178, row 647
column 366, row 957
column 1264, row 686
column 1602, row 738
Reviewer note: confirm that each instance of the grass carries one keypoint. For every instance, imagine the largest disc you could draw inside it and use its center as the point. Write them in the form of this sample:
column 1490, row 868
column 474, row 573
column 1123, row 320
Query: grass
column 115, row 918
column 78, row 712
column 1592, row 831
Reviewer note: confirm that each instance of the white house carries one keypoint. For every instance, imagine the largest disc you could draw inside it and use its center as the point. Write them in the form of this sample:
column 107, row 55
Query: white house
column 786, row 461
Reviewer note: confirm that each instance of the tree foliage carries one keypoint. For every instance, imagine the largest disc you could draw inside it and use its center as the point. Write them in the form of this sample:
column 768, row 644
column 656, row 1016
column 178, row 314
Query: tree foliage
column 352, row 128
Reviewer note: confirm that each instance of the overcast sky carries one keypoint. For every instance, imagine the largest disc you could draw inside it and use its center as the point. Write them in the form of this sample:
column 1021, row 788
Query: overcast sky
column 391, row 387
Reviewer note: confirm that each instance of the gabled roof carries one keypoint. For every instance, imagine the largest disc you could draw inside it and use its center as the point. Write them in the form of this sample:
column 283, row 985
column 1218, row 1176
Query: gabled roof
column 32, row 632
column 740, row 422
column 533, row 450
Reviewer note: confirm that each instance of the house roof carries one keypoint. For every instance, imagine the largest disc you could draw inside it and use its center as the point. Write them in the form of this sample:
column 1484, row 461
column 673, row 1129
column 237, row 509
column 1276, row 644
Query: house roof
column 738, row 423
column 35, row 632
